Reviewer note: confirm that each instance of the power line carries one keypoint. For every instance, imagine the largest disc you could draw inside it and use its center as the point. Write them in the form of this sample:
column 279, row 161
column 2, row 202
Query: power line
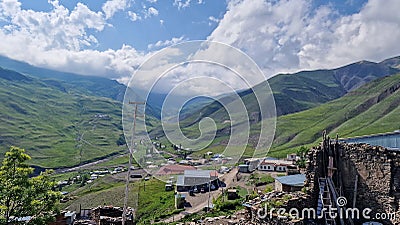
column 128, row 174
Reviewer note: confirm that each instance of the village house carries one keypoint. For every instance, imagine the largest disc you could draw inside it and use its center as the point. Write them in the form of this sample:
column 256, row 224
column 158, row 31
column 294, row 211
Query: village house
column 196, row 178
column 275, row 165
column 174, row 169
column 291, row 157
column 249, row 165
column 290, row 183
column 266, row 166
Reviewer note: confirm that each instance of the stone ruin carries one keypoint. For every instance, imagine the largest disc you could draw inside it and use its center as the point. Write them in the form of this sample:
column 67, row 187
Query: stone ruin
column 107, row 215
column 370, row 177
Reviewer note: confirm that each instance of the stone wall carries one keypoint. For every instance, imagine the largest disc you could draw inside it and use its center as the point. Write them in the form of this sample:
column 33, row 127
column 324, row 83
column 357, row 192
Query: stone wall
column 378, row 172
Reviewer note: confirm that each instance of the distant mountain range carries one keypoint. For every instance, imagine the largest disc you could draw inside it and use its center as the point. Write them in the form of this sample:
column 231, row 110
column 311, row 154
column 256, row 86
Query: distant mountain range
column 307, row 89
column 300, row 94
column 372, row 108
column 87, row 85
column 64, row 119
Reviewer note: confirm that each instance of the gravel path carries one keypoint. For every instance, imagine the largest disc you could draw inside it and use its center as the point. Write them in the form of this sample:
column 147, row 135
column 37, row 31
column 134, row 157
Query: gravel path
column 200, row 200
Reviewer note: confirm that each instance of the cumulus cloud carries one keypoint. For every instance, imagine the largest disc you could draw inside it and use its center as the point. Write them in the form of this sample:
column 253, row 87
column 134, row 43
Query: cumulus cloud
column 290, row 35
column 59, row 40
column 181, row 3
column 134, row 16
column 165, row 43
column 281, row 36
column 112, row 6
column 59, row 28
column 151, row 12
column 213, row 19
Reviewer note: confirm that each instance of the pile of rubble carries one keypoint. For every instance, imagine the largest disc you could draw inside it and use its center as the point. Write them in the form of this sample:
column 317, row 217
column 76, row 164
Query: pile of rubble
column 107, row 215
column 254, row 208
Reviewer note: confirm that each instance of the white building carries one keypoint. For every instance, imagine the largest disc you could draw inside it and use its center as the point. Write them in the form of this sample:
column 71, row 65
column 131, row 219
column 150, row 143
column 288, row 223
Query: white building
column 291, row 157
column 274, row 165
column 266, row 166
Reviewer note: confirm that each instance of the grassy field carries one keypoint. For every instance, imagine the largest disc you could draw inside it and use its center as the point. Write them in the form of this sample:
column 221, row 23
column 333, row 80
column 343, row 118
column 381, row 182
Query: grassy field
column 55, row 127
column 371, row 109
column 148, row 197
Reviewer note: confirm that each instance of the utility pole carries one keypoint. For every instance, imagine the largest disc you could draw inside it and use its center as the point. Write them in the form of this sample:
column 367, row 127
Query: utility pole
column 128, row 174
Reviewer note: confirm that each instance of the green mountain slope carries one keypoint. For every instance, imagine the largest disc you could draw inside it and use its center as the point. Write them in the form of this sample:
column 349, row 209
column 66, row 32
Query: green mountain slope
column 87, row 85
column 373, row 108
column 293, row 93
column 303, row 90
column 57, row 126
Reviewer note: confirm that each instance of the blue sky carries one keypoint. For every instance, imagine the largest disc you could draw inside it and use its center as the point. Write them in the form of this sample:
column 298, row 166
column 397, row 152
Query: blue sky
column 193, row 21
column 111, row 38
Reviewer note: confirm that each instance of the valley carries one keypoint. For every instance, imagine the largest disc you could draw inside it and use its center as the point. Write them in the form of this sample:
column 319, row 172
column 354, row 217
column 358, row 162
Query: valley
column 77, row 129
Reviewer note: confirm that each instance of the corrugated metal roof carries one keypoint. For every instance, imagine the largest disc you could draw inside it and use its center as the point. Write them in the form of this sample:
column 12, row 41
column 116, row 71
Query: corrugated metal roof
column 292, row 180
column 197, row 173
column 387, row 140
column 180, row 180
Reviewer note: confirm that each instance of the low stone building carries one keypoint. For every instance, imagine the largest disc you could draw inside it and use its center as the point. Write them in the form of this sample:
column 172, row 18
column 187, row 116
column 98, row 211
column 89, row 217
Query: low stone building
column 290, row 183
column 108, row 215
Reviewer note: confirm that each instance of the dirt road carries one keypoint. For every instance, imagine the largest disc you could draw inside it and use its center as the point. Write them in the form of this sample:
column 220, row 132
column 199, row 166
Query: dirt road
column 201, row 200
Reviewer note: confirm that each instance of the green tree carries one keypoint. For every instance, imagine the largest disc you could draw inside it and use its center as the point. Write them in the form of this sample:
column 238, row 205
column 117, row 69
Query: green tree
column 121, row 140
column 22, row 195
column 302, row 152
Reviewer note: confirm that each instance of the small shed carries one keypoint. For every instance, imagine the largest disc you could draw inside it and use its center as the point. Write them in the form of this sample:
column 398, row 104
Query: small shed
column 232, row 194
column 243, row 168
column 290, row 183
column 169, row 187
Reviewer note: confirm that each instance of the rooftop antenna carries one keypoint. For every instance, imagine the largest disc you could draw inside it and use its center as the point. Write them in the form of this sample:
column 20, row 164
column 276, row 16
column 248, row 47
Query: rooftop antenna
column 128, row 174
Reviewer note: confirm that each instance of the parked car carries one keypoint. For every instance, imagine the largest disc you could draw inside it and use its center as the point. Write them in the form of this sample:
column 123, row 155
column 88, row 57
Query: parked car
column 136, row 176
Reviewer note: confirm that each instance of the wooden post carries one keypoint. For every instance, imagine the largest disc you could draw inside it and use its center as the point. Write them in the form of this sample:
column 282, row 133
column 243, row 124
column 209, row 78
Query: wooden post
column 355, row 192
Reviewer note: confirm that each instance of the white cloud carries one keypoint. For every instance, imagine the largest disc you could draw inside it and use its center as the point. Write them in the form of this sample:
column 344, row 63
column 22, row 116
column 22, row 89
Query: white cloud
column 182, row 3
column 281, row 36
column 59, row 39
column 58, row 28
column 213, row 19
column 162, row 22
column 112, row 6
column 133, row 16
column 289, row 35
column 165, row 43
column 152, row 1
column 151, row 12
